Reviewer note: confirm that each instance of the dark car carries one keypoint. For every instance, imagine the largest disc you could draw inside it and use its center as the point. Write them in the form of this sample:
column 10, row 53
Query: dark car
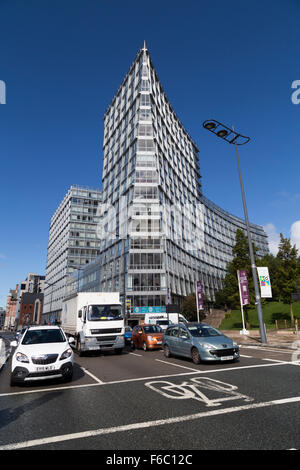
column 200, row 342
column 127, row 334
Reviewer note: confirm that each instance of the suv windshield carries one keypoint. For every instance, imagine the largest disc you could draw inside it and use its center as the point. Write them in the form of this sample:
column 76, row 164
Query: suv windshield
column 104, row 312
column 203, row 331
column 43, row 336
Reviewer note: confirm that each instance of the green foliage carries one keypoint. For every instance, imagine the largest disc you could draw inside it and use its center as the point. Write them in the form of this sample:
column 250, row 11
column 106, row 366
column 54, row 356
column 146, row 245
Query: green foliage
column 271, row 311
column 189, row 308
column 284, row 270
column 229, row 295
column 287, row 270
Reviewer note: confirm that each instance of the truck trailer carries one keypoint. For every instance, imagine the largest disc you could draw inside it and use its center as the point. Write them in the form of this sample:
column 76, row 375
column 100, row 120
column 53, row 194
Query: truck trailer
column 95, row 320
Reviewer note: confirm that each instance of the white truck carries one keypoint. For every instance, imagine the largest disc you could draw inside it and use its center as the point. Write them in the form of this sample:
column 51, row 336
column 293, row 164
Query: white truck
column 164, row 319
column 96, row 321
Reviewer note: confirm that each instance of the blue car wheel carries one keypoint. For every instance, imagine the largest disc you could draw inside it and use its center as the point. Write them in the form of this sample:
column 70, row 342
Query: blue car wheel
column 196, row 356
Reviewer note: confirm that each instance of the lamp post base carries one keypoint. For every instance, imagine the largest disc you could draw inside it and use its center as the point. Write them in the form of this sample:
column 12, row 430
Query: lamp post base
column 244, row 332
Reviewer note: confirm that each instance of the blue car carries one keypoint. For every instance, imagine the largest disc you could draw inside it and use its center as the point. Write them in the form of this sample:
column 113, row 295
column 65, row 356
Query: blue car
column 200, row 342
column 127, row 334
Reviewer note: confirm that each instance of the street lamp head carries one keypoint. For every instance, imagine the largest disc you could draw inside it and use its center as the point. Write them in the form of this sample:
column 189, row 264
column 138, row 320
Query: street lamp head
column 209, row 125
column 223, row 133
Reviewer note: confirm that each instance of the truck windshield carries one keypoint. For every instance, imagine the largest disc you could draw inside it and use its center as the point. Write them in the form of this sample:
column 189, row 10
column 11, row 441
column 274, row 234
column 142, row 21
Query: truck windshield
column 104, row 312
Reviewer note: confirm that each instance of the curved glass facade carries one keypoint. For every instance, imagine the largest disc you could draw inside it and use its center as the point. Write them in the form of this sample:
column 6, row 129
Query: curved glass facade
column 159, row 234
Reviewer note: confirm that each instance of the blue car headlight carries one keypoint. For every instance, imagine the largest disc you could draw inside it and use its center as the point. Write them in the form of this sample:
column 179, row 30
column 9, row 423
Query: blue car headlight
column 207, row 346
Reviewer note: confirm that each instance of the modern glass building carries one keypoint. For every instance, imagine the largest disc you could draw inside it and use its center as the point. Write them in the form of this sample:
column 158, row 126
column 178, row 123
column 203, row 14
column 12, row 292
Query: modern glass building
column 72, row 244
column 158, row 233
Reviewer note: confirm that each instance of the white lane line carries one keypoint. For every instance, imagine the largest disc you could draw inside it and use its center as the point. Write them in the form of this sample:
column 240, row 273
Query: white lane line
column 91, row 375
column 176, row 365
column 134, row 354
column 140, row 379
column 145, row 424
column 243, row 355
column 262, row 349
column 272, row 360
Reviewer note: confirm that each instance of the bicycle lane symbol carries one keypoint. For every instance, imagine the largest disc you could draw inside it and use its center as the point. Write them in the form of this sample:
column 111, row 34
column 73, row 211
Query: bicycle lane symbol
column 193, row 389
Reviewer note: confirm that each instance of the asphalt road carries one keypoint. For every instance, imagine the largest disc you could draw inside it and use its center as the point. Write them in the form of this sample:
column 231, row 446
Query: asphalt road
column 142, row 401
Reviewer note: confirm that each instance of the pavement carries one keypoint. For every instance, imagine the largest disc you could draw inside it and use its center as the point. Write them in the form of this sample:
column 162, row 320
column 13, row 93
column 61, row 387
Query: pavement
column 283, row 339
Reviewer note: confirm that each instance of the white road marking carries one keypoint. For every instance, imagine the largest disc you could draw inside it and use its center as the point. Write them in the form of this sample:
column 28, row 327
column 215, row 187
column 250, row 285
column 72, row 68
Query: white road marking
column 272, row 360
column 211, row 371
column 145, row 424
column 262, row 349
column 134, row 354
column 91, row 375
column 243, row 355
column 176, row 365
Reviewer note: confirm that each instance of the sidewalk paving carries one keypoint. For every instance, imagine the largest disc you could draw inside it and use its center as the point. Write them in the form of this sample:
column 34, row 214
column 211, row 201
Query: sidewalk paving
column 276, row 338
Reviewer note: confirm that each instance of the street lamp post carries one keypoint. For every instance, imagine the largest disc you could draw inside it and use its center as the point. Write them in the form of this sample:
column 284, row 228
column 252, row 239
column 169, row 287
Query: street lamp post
column 236, row 138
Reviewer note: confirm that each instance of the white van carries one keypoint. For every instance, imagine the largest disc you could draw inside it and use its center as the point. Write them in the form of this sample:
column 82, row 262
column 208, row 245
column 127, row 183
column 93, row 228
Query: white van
column 164, row 319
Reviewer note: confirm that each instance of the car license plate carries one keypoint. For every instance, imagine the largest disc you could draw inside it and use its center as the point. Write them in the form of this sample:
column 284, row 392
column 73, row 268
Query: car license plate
column 227, row 358
column 44, row 368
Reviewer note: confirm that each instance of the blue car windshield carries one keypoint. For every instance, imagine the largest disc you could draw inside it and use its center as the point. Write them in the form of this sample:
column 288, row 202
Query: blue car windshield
column 203, row 331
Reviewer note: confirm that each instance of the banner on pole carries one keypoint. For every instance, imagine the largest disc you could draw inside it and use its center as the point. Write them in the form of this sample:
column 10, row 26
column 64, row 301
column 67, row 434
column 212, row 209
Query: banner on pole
column 199, row 296
column 243, row 286
column 264, row 282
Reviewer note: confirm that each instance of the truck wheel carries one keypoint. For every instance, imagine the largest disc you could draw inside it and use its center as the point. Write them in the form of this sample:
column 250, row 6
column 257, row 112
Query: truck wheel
column 144, row 346
column 78, row 348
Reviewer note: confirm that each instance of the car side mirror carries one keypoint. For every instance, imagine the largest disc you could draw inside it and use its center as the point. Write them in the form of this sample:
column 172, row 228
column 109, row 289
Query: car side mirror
column 71, row 340
column 14, row 344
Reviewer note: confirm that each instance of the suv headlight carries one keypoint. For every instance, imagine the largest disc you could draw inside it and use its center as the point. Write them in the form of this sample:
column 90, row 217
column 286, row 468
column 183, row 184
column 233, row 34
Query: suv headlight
column 66, row 354
column 21, row 357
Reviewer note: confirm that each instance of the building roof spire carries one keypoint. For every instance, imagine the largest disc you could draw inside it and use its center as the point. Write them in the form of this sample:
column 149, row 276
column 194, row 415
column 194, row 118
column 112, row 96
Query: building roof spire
column 144, row 46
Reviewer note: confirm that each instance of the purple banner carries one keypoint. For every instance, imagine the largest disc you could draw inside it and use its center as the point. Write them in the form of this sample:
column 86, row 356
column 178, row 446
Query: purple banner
column 199, row 295
column 243, row 286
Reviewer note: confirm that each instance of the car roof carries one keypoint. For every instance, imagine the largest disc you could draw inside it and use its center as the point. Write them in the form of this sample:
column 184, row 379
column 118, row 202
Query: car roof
column 188, row 324
column 44, row 327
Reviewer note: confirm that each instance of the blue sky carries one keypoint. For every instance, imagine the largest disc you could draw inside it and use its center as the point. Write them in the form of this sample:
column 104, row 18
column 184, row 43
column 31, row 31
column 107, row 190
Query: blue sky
column 62, row 62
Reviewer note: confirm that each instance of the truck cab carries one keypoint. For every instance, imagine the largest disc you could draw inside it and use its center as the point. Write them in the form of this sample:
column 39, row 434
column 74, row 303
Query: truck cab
column 96, row 320
column 102, row 327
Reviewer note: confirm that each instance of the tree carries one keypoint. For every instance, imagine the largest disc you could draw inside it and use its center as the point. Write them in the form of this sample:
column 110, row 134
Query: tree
column 287, row 270
column 229, row 295
column 189, row 308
